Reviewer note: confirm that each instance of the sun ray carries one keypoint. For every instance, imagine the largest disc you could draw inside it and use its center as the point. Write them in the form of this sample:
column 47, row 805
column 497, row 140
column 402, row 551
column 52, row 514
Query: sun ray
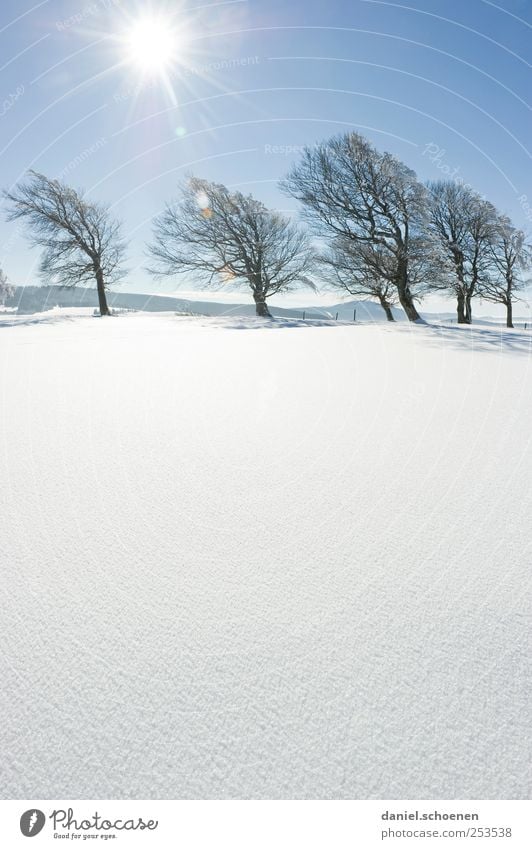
column 160, row 47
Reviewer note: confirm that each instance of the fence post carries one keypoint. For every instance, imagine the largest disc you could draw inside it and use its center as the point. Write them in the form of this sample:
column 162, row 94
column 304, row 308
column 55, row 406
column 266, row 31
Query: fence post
column 336, row 319
column 354, row 315
column 304, row 315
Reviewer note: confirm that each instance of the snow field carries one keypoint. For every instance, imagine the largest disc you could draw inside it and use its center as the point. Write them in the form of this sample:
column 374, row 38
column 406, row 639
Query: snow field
column 254, row 561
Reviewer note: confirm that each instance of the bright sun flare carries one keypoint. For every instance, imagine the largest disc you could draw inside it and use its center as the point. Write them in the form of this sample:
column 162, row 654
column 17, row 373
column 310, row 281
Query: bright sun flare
column 151, row 45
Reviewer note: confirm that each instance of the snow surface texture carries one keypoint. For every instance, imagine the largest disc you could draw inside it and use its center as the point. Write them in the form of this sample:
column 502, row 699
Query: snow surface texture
column 264, row 561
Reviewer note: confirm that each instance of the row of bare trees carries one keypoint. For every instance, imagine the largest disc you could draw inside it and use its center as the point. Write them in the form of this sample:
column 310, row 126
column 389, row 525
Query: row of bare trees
column 373, row 231
column 483, row 253
column 392, row 239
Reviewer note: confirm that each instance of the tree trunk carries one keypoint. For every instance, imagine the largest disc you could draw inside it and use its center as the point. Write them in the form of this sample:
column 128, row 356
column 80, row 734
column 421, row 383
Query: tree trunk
column 468, row 310
column 102, row 298
column 405, row 295
column 261, row 307
column 387, row 309
column 461, row 309
column 509, row 314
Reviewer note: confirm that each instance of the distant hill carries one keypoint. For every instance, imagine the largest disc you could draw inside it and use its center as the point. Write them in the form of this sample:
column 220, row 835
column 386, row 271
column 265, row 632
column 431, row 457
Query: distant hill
column 28, row 300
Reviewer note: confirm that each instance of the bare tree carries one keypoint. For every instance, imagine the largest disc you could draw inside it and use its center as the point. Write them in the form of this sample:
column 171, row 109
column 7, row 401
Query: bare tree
column 80, row 241
column 6, row 289
column 350, row 190
column 219, row 236
column 370, row 272
column 464, row 223
column 510, row 256
column 359, row 272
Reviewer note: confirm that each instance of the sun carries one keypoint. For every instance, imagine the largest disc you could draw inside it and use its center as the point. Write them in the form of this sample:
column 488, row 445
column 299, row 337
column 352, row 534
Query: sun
column 152, row 45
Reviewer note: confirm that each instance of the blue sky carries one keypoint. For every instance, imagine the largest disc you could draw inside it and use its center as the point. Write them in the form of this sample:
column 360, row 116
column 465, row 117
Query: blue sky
column 444, row 85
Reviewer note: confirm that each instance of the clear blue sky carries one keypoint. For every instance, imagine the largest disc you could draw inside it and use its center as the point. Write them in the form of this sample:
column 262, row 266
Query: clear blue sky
column 445, row 85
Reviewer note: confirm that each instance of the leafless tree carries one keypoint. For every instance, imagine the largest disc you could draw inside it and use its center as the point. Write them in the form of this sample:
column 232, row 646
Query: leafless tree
column 218, row 236
column 510, row 257
column 6, row 289
column 369, row 272
column 351, row 191
column 359, row 272
column 81, row 243
column 465, row 224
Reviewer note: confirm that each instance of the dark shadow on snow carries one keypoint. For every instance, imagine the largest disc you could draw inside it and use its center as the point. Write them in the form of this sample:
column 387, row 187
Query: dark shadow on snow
column 244, row 323
column 475, row 338
column 461, row 337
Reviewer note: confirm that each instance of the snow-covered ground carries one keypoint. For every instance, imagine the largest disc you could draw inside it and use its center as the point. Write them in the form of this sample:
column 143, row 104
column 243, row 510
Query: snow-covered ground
column 244, row 559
